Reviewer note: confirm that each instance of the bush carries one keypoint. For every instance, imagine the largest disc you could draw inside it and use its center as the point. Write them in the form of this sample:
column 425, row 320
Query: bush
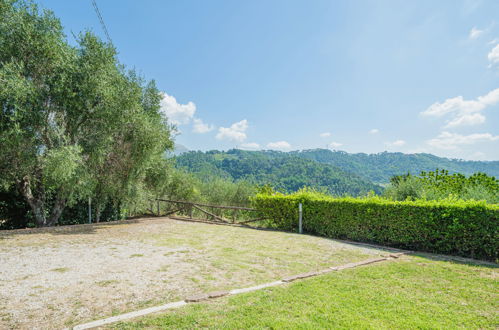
column 407, row 188
column 439, row 184
column 218, row 191
column 14, row 211
column 465, row 228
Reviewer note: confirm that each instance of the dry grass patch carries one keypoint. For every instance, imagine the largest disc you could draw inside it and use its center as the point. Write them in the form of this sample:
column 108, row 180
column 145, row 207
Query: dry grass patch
column 58, row 270
column 113, row 269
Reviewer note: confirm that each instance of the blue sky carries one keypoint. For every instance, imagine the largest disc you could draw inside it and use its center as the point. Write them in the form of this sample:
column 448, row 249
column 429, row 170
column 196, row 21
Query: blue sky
column 359, row 76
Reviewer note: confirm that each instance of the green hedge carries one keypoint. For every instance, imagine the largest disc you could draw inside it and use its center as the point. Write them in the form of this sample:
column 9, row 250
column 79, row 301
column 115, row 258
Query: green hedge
column 465, row 228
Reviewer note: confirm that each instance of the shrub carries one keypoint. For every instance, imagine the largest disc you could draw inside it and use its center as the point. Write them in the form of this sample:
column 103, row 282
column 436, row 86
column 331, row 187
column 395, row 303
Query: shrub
column 439, row 184
column 465, row 228
column 406, row 188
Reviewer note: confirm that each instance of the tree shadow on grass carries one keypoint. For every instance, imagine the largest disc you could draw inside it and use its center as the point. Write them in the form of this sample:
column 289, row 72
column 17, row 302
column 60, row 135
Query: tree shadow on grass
column 92, row 228
column 456, row 259
column 427, row 255
column 77, row 229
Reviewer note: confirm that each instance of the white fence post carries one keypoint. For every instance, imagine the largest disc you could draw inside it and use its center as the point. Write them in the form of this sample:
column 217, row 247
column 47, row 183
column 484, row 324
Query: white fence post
column 300, row 218
column 90, row 210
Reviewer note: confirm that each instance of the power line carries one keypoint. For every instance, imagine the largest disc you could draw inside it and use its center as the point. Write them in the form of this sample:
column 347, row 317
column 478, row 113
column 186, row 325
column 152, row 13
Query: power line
column 101, row 21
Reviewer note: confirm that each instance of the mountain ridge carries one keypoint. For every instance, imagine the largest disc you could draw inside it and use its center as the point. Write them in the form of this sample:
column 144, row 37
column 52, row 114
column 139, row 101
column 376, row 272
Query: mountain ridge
column 339, row 172
column 283, row 171
column 380, row 167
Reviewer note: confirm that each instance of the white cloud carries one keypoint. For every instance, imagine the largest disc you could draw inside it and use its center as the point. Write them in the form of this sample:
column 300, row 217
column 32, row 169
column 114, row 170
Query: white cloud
column 176, row 113
column 279, row 145
column 236, row 132
column 250, row 146
column 374, row 131
column 454, row 105
column 462, row 110
column 325, row 135
column 449, row 141
column 466, row 120
column 334, row 145
column 200, row 127
column 418, row 150
column 493, row 55
column 475, row 33
column 397, row 143
column 478, row 156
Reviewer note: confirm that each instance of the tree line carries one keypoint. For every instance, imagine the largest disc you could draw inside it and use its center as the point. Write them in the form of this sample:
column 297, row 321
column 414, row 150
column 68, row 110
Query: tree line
column 380, row 167
column 283, row 171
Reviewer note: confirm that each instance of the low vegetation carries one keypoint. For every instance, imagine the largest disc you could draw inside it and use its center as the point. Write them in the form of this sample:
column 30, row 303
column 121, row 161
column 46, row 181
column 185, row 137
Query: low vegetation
column 97, row 271
column 466, row 228
column 440, row 184
column 410, row 293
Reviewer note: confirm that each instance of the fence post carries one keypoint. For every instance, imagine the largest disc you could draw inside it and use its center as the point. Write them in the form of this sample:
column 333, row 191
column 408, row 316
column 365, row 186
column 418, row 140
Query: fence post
column 90, row 210
column 159, row 213
column 191, row 209
column 234, row 216
column 300, row 218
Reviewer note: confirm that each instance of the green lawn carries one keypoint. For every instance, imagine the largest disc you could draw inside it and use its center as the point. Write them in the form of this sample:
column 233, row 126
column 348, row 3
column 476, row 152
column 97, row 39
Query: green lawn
column 410, row 292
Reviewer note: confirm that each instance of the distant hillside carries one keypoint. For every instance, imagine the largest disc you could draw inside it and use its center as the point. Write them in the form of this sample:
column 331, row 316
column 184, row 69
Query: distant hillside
column 179, row 149
column 285, row 171
column 379, row 168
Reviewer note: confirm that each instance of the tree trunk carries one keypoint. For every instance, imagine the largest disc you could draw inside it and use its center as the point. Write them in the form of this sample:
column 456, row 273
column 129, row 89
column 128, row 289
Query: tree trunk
column 36, row 204
column 97, row 212
column 59, row 205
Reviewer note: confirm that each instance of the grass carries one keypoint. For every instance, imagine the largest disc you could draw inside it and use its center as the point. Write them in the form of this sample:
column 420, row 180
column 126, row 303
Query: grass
column 253, row 256
column 179, row 259
column 230, row 257
column 411, row 292
column 106, row 283
column 136, row 255
column 158, row 261
column 60, row 270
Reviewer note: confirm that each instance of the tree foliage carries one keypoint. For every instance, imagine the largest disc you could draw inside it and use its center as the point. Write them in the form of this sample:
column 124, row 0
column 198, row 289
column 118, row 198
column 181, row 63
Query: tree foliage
column 284, row 171
column 440, row 184
column 380, row 167
column 73, row 121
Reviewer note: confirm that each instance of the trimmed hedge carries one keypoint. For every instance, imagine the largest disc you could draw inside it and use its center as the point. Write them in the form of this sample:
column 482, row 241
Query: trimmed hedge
column 464, row 228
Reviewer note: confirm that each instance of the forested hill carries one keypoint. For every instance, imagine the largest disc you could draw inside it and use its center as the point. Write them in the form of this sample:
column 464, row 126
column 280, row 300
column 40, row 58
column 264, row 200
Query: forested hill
column 284, row 171
column 379, row 168
column 337, row 171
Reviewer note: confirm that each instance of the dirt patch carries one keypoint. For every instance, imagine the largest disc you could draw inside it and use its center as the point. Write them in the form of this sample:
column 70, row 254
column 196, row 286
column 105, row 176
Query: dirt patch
column 58, row 278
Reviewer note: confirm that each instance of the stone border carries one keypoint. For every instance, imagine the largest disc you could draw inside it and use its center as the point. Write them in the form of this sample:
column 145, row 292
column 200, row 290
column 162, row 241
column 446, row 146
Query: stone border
column 130, row 315
column 217, row 294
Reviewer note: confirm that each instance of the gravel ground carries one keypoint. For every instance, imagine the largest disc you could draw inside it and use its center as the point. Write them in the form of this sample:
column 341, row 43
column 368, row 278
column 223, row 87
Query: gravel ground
column 59, row 277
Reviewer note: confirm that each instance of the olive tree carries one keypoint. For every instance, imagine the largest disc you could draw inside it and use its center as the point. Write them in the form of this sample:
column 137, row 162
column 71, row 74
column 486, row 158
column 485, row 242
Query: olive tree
column 73, row 121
